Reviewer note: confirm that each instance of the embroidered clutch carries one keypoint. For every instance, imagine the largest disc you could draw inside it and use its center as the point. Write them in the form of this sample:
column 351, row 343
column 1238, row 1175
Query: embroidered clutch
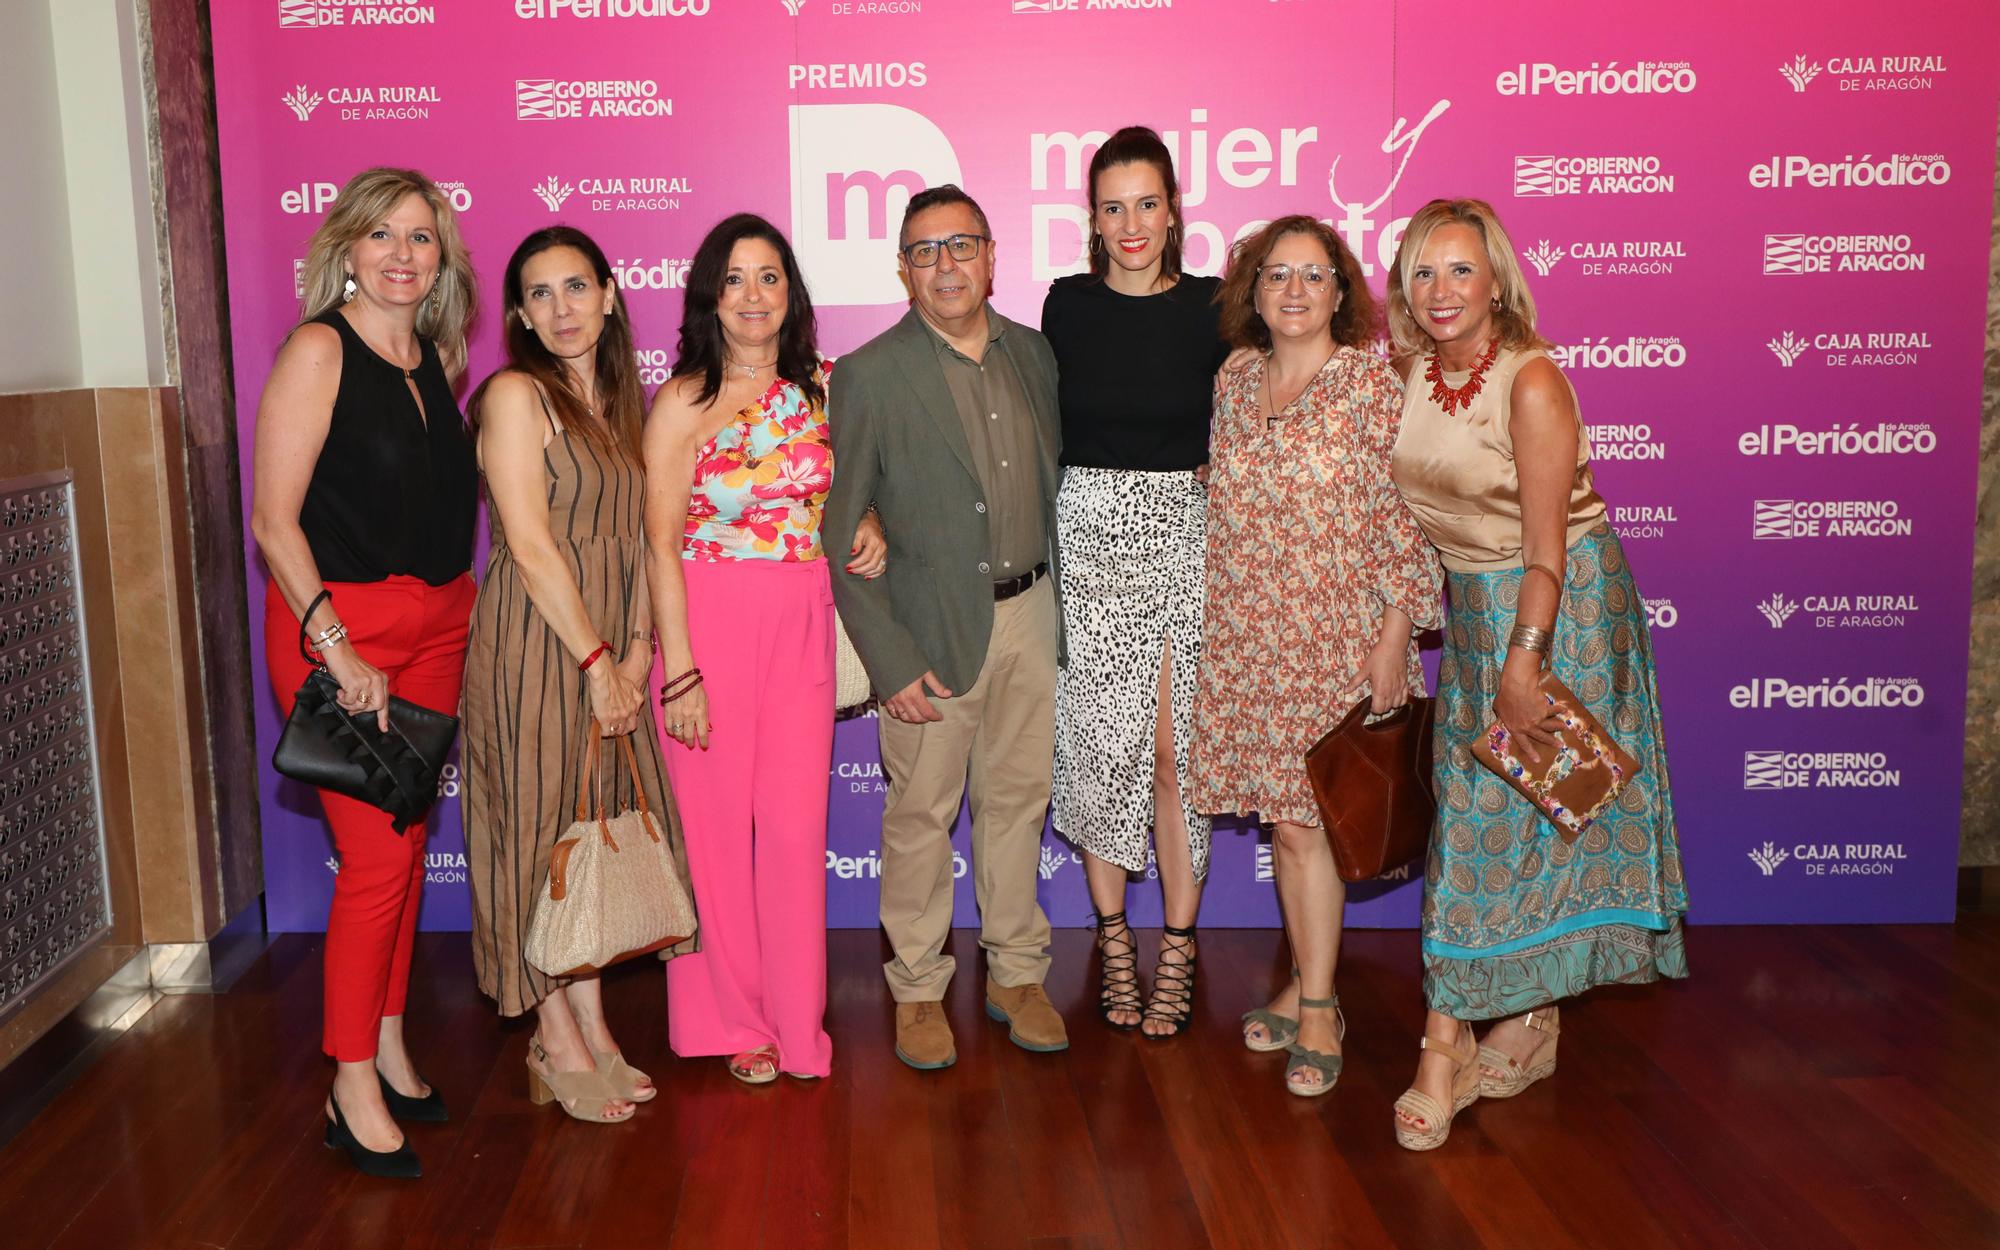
column 1576, row 781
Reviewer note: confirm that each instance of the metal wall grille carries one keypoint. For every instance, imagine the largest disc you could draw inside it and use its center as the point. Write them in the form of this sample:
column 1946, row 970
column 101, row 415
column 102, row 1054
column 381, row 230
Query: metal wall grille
column 53, row 896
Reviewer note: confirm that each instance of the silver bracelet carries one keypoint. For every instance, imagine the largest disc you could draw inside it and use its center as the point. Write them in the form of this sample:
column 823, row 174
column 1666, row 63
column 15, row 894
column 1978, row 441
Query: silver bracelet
column 329, row 636
column 1530, row 638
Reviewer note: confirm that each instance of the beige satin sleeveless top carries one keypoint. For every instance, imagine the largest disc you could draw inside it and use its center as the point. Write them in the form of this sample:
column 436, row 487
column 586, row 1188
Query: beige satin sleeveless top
column 1457, row 471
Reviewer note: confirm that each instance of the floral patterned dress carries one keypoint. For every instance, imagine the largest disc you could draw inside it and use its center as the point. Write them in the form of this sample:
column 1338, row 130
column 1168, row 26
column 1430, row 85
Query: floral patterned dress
column 1307, row 540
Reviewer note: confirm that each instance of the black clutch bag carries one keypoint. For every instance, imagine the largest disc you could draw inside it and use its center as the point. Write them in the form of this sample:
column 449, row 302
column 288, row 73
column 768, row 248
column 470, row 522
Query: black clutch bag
column 323, row 746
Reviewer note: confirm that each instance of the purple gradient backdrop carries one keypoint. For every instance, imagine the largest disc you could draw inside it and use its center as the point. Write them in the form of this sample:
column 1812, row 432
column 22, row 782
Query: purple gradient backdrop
column 779, row 112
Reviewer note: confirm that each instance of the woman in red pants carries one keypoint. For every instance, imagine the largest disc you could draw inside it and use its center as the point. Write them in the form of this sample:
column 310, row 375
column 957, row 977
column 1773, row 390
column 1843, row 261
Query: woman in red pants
column 365, row 490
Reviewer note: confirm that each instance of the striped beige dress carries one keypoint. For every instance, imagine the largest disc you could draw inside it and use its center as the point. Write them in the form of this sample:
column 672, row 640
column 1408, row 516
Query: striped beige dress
column 526, row 710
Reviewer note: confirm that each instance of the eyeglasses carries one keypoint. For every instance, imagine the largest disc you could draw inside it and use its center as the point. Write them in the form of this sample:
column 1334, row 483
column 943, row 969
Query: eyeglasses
column 923, row 253
column 1315, row 277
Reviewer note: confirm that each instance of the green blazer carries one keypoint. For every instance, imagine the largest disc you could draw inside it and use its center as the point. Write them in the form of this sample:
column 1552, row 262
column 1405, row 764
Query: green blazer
column 898, row 443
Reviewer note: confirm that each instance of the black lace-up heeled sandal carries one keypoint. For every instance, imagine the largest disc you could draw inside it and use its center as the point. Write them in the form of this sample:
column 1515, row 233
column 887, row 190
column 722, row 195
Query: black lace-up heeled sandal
column 1172, row 1003
column 1120, row 989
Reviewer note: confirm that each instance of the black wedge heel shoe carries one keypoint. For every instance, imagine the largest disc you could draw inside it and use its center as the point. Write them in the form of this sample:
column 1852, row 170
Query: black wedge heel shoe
column 426, row 1110
column 398, row 1164
column 1120, row 987
column 1173, row 983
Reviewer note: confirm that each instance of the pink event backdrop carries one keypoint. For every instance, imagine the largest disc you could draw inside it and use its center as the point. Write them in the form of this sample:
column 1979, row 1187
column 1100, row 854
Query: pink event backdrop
column 1760, row 243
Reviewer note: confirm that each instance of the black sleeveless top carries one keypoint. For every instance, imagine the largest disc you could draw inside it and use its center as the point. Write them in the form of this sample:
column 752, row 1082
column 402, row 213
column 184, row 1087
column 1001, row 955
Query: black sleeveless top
column 390, row 494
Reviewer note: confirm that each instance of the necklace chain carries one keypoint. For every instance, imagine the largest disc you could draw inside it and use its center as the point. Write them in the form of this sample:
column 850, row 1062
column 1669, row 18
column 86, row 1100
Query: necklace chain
column 1452, row 398
column 1273, row 413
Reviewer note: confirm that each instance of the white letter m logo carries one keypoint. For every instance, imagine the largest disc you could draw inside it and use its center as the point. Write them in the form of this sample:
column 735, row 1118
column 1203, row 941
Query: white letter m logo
column 856, row 167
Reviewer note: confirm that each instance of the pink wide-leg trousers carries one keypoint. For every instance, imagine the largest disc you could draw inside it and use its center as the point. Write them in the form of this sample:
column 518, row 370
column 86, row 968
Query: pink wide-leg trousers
column 753, row 811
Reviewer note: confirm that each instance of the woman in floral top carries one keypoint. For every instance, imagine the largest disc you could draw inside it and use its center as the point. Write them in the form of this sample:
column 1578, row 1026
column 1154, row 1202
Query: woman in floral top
column 1317, row 579
column 737, row 468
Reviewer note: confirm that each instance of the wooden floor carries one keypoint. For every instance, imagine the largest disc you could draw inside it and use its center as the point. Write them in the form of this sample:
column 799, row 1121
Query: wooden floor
column 1814, row 1087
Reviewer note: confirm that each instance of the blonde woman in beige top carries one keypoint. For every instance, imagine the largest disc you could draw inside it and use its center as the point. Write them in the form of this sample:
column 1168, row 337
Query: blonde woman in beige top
column 1493, row 459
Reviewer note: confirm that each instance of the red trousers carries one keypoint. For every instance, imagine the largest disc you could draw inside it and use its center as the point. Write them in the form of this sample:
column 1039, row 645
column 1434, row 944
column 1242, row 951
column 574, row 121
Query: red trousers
column 415, row 634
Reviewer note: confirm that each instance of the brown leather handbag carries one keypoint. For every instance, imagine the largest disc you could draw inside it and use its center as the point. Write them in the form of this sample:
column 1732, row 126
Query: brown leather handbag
column 1373, row 786
column 1575, row 781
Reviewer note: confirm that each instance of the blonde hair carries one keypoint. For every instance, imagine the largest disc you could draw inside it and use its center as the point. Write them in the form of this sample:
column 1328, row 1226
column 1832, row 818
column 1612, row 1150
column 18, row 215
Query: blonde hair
column 367, row 199
column 1514, row 318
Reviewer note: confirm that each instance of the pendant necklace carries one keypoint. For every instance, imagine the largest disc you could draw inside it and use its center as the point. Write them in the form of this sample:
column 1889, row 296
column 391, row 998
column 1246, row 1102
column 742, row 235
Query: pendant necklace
column 1277, row 414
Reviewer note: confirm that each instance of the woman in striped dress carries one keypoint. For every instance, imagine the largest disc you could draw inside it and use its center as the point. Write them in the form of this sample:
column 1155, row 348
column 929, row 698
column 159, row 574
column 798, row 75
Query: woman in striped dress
column 561, row 641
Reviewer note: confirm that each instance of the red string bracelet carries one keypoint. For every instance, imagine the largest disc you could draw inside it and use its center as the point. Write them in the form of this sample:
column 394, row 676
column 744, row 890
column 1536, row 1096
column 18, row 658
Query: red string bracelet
column 591, row 659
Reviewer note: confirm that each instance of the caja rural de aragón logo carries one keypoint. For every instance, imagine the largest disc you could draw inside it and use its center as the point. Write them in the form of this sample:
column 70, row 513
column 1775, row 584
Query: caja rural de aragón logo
column 365, row 102
column 1865, row 73
column 1851, row 348
column 1608, row 257
column 1833, row 859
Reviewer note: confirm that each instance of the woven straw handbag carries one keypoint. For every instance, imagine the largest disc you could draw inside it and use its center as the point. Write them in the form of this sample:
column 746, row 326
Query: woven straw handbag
column 613, row 890
column 850, row 679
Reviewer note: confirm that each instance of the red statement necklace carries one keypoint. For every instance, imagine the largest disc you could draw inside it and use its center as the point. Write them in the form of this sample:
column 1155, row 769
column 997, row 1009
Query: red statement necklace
column 1450, row 398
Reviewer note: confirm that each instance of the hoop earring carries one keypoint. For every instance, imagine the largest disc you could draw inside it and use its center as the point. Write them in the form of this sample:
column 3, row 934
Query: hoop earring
column 347, row 289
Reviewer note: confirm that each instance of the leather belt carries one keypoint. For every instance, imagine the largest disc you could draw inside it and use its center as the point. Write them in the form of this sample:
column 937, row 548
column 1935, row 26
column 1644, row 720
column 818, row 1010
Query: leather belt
column 1015, row 585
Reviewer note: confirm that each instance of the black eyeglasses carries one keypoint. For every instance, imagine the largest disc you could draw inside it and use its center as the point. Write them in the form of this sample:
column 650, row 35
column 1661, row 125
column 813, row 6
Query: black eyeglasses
column 923, row 253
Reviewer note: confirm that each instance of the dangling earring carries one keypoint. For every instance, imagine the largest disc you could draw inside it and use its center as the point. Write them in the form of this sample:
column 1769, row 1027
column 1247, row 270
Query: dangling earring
column 347, row 290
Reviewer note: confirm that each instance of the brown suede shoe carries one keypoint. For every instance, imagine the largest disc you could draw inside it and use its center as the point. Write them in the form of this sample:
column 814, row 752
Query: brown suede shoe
column 923, row 1036
column 1032, row 1020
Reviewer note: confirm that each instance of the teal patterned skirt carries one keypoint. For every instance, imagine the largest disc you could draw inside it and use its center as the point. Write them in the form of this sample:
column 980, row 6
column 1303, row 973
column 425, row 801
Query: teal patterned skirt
column 1514, row 917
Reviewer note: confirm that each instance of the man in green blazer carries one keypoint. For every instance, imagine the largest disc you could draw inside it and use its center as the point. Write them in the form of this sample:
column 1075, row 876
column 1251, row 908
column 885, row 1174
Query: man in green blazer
column 947, row 424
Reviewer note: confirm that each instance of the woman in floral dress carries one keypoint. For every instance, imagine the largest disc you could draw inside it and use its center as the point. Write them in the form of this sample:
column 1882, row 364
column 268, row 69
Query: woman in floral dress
column 1317, row 580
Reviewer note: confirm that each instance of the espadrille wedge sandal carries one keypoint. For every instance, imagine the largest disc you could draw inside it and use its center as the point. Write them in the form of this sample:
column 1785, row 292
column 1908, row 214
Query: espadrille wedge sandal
column 1516, row 1075
column 1435, row 1120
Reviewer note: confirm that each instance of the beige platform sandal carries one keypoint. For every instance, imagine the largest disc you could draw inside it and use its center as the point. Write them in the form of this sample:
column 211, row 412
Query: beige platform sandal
column 1518, row 1076
column 1419, row 1106
column 582, row 1095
